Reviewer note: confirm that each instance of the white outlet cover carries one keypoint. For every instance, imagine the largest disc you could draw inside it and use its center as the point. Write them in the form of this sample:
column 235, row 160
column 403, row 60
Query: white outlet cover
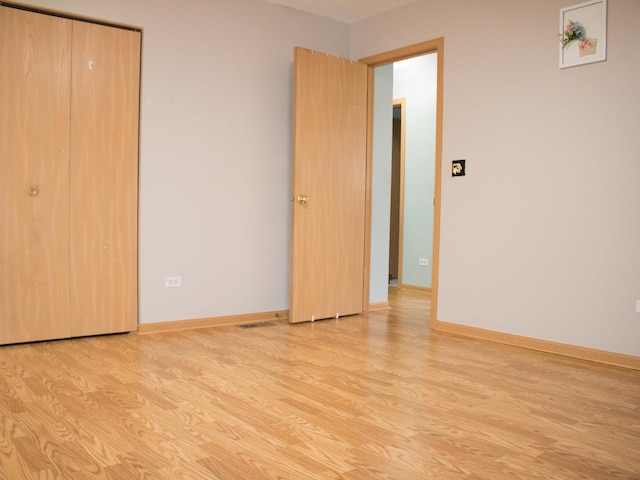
column 173, row 282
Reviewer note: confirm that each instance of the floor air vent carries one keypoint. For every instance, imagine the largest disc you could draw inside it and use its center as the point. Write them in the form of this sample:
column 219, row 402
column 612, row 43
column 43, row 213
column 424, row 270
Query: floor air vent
column 256, row 325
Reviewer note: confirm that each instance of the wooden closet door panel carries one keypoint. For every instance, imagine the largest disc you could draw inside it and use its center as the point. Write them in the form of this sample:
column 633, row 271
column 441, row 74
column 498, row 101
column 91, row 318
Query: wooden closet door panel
column 104, row 179
column 35, row 51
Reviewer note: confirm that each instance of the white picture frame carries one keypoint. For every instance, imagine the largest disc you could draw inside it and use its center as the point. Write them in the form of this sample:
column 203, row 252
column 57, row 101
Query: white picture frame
column 583, row 33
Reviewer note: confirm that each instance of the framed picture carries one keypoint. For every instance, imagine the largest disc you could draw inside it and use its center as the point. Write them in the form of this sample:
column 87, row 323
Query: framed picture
column 583, row 33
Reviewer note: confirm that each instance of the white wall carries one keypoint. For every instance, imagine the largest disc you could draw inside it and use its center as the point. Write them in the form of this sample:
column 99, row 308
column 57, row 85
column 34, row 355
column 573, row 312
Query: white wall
column 381, row 183
column 215, row 157
column 542, row 237
column 415, row 80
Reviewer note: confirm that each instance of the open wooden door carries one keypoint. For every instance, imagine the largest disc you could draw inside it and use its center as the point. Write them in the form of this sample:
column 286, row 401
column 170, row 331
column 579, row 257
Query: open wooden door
column 329, row 186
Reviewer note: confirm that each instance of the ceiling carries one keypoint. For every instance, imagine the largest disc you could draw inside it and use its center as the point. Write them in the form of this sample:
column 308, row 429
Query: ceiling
column 346, row 11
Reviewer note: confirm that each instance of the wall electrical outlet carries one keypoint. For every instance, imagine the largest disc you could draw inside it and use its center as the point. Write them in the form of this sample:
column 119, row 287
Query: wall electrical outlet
column 637, row 306
column 173, row 282
column 423, row 262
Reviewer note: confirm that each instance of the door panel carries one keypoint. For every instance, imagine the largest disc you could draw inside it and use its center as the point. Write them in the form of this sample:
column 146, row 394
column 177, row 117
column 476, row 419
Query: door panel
column 328, row 231
column 34, row 163
column 103, row 189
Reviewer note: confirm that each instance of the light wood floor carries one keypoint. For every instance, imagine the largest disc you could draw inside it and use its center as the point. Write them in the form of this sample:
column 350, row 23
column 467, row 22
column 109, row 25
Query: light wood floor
column 375, row 396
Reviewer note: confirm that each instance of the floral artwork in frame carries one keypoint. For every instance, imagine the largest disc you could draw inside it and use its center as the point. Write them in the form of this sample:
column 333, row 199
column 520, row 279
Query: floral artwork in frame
column 583, row 33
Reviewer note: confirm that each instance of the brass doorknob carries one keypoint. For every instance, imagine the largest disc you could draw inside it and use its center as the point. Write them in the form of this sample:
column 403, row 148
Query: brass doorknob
column 302, row 199
column 33, row 191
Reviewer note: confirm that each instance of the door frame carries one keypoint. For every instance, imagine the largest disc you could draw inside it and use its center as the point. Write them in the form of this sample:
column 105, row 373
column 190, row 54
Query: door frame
column 430, row 46
column 400, row 103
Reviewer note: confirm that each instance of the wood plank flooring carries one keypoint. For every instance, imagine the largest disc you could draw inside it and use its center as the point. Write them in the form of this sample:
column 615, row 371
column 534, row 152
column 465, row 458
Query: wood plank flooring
column 375, row 396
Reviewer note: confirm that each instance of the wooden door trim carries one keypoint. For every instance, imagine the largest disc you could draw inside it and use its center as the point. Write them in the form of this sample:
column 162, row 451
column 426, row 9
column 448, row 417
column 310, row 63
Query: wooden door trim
column 401, row 103
column 366, row 287
column 430, row 46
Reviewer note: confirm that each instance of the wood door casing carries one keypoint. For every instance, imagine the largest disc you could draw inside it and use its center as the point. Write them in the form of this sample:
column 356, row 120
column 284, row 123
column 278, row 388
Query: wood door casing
column 104, row 179
column 35, row 52
column 394, row 222
column 431, row 46
column 330, row 141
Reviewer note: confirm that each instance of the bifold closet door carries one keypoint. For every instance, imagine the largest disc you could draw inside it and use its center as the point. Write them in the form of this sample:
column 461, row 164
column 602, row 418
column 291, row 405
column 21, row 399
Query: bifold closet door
column 104, row 179
column 35, row 52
